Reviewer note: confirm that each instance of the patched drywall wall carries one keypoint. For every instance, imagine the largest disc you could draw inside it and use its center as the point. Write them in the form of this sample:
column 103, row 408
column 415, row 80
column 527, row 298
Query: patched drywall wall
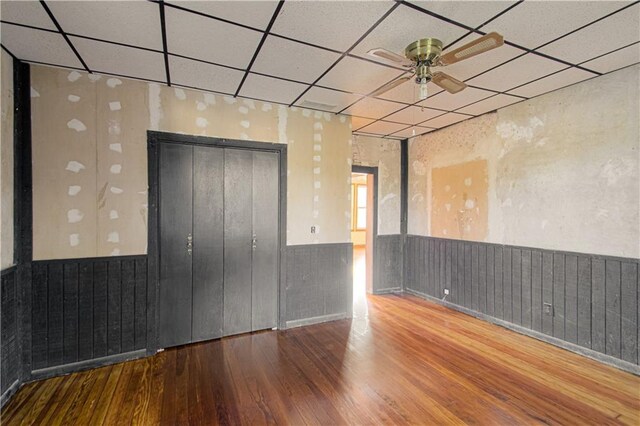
column 90, row 159
column 6, row 161
column 384, row 154
column 562, row 169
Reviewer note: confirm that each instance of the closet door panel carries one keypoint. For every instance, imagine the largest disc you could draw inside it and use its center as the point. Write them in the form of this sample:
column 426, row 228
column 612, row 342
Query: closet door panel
column 208, row 242
column 175, row 211
column 265, row 227
column 238, row 171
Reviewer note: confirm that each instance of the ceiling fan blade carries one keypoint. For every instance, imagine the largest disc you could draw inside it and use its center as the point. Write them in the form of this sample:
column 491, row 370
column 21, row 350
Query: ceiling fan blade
column 390, row 85
column 447, row 82
column 476, row 47
column 390, row 56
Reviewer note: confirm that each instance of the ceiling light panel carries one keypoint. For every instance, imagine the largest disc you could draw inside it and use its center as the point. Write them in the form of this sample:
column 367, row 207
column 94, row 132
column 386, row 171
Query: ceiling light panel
column 552, row 82
column 131, row 22
column 447, row 101
column 255, row 14
column 490, row 104
column 533, row 23
column 111, row 58
column 26, row 13
column 271, row 89
column 470, row 13
column 39, row 46
column 358, row 76
column 383, row 128
column 445, row 120
column 404, row 26
column 473, row 66
column 414, row 115
column 331, row 98
column 616, row 60
column 616, row 31
column 204, row 76
column 282, row 58
column 333, row 24
column 373, row 108
column 208, row 39
column 519, row 71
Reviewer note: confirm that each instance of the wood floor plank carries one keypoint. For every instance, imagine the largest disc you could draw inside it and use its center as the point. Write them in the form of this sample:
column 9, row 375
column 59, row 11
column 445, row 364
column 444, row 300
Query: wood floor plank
column 408, row 361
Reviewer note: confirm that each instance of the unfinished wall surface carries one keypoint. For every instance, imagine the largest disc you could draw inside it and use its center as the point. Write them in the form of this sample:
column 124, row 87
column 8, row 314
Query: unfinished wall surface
column 90, row 159
column 384, row 154
column 561, row 171
column 6, row 162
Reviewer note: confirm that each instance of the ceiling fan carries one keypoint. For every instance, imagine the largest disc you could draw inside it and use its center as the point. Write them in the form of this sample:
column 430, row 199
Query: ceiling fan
column 425, row 53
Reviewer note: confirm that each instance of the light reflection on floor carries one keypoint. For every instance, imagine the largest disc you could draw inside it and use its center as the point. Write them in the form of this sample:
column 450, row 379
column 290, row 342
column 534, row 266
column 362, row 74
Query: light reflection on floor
column 360, row 308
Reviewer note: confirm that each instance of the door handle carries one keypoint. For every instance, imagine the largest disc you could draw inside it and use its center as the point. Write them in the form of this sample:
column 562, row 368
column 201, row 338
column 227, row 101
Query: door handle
column 254, row 242
column 189, row 244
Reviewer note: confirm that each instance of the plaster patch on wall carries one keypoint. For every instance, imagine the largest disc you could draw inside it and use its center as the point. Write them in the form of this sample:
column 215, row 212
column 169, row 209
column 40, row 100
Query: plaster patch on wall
column 317, row 158
column 317, row 137
column 115, row 106
column 113, row 215
column 343, row 118
column 180, row 94
column 229, row 100
column 115, row 252
column 306, row 112
column 74, row 216
column 116, row 190
column 317, row 184
column 114, row 127
column 317, row 148
column 282, row 124
column 34, row 93
column 114, row 237
column 387, row 198
column 316, row 170
column 94, row 77
column 316, row 198
column 155, row 106
column 250, row 103
column 74, row 240
column 245, row 124
column 115, row 169
column 244, row 136
column 74, row 190
column 243, row 110
column 114, row 82
column 202, row 122
column 74, row 166
column 419, row 168
column 201, row 106
column 615, row 169
column 210, row 98
column 116, row 147
column 73, row 98
column 317, row 126
column 266, row 107
column 73, row 76
column 76, row 125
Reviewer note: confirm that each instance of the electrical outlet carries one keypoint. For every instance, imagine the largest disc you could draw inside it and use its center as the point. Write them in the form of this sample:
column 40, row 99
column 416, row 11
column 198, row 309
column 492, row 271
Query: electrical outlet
column 547, row 309
column 446, row 291
column 313, row 229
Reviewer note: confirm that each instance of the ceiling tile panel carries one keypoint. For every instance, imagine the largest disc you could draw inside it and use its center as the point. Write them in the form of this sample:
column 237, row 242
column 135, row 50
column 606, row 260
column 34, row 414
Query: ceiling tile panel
column 208, row 39
column 383, row 128
column 411, row 132
column 332, row 99
column 414, row 115
column 473, row 66
column 131, row 22
column 449, row 102
column 611, row 33
column 533, row 23
column 552, row 82
column 404, row 26
column 408, row 92
column 186, row 72
column 26, row 13
column 445, row 120
column 373, row 108
column 616, row 60
column 255, row 14
column 271, row 89
column 519, row 71
column 282, row 58
column 470, row 13
column 490, row 104
column 39, row 46
column 358, row 122
column 114, row 59
column 358, row 76
column 332, row 24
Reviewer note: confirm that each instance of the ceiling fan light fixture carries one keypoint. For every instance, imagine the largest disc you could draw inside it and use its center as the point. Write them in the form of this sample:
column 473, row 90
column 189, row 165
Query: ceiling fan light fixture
column 424, row 91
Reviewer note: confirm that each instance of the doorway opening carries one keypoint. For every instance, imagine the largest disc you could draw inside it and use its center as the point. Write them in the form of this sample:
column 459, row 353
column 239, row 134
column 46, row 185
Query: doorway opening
column 363, row 220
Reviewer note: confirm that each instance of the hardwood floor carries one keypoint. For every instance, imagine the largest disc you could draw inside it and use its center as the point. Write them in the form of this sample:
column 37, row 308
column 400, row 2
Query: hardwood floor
column 409, row 361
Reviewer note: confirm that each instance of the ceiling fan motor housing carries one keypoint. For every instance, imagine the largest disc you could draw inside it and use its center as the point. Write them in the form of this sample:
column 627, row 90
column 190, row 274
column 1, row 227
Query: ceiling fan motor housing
column 426, row 50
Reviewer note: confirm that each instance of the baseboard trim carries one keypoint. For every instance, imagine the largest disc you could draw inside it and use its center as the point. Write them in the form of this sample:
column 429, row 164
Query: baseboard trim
column 45, row 373
column 6, row 396
column 315, row 320
column 391, row 290
column 589, row 353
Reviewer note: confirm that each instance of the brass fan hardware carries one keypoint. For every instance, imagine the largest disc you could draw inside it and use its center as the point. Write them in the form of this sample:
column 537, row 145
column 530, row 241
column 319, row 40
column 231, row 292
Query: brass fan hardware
column 425, row 53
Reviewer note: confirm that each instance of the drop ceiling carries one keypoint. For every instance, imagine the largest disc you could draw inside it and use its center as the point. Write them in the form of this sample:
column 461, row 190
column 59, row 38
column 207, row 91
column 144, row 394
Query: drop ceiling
column 313, row 53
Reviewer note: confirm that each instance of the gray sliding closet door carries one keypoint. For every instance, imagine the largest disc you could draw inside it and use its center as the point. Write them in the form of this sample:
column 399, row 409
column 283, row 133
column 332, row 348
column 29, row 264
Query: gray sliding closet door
column 265, row 229
column 208, row 238
column 238, row 172
column 175, row 211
